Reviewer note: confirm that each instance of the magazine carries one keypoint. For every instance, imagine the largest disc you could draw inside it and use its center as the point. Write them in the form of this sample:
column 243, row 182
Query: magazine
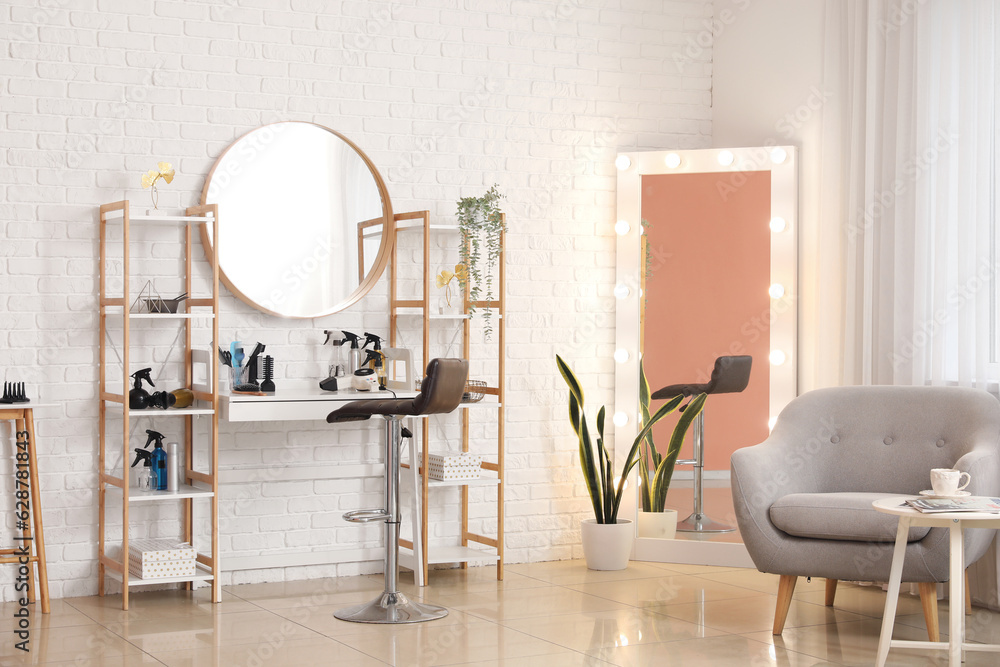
column 970, row 504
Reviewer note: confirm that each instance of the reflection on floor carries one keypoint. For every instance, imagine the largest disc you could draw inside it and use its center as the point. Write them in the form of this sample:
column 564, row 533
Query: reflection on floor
column 718, row 504
column 544, row 614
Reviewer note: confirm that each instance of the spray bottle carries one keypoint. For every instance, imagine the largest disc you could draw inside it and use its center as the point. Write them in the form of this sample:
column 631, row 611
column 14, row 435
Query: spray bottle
column 376, row 361
column 144, row 480
column 338, row 364
column 138, row 398
column 354, row 354
column 158, row 458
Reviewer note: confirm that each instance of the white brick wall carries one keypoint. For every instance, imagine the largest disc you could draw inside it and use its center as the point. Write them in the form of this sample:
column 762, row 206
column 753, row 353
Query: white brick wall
column 535, row 95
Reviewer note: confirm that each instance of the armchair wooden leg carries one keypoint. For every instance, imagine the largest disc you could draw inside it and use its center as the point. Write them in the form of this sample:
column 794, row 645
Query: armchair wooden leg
column 831, row 591
column 968, row 596
column 928, row 599
column 786, row 586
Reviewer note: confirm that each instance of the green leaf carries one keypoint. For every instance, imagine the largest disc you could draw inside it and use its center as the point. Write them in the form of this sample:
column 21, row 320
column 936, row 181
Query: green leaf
column 630, row 460
column 665, row 471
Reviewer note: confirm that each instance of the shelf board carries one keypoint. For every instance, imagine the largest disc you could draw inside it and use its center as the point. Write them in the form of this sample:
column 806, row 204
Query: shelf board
column 436, row 555
column 404, row 225
column 186, row 491
column 170, row 412
column 202, row 573
column 412, row 311
column 117, row 310
column 480, row 481
column 479, row 405
column 135, row 219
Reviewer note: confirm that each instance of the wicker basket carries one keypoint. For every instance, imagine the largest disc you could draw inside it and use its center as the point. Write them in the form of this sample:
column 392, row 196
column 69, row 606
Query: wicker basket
column 472, row 395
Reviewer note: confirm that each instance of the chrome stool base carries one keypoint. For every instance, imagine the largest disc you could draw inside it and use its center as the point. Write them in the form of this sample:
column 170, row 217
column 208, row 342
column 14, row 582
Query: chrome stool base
column 391, row 608
column 700, row 523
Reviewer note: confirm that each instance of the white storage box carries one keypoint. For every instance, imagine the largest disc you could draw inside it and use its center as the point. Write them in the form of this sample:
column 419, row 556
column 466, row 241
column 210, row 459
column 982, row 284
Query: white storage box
column 454, row 466
column 160, row 559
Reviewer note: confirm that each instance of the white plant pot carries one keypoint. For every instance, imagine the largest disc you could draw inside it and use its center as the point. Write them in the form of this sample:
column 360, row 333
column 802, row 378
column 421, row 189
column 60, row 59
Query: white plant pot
column 607, row 546
column 658, row 525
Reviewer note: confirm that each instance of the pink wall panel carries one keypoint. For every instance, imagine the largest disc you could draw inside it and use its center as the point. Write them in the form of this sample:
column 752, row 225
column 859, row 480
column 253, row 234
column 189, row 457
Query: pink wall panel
column 709, row 246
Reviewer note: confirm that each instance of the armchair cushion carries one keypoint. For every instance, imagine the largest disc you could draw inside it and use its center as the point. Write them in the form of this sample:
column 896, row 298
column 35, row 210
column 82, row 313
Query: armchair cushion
column 837, row 516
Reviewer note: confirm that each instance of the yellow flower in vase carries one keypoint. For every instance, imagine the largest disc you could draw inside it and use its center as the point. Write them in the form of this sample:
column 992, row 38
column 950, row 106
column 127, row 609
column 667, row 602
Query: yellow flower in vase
column 163, row 170
column 445, row 278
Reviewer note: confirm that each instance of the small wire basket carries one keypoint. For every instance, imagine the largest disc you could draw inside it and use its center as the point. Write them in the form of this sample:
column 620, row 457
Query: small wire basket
column 472, row 395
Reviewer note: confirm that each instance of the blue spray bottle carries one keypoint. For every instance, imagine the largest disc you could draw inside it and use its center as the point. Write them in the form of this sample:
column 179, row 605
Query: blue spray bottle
column 158, row 458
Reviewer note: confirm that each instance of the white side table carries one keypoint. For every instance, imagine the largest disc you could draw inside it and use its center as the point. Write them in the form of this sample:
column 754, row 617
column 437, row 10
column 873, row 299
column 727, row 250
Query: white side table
column 955, row 522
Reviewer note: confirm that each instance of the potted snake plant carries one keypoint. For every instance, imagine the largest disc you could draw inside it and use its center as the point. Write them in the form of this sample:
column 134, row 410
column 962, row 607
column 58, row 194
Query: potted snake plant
column 607, row 539
column 656, row 470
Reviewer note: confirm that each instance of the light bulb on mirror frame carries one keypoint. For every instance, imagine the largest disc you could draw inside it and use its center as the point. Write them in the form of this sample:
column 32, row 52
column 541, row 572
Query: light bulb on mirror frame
column 777, row 225
column 620, row 419
column 621, row 355
column 726, row 158
column 777, row 290
column 623, row 162
column 778, row 155
column 673, row 160
column 622, row 227
column 621, row 291
column 777, row 357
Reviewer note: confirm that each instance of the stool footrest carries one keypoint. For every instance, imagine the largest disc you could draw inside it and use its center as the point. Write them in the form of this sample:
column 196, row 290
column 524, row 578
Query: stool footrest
column 686, row 462
column 364, row 516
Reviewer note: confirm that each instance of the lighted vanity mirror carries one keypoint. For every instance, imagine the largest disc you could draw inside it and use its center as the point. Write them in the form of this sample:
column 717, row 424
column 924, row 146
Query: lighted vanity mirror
column 305, row 220
column 706, row 267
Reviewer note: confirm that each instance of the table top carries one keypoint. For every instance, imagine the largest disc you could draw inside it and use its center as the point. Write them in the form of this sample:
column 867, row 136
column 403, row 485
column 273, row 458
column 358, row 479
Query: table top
column 313, row 394
column 894, row 505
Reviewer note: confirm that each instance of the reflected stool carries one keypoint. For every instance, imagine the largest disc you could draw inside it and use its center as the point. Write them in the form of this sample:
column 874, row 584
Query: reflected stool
column 440, row 392
column 730, row 376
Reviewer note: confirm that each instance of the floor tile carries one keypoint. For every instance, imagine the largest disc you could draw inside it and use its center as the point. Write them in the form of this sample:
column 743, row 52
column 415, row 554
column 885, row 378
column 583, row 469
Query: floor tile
column 61, row 614
column 155, row 605
column 528, row 603
column 722, row 651
column 423, row 644
column 594, row 630
column 564, row 658
column 753, row 614
column 567, row 572
column 300, row 653
column 177, row 633
column 663, row 590
column 77, row 644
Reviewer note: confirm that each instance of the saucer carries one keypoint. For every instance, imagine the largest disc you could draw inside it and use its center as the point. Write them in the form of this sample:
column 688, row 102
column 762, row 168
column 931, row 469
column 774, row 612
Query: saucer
column 931, row 494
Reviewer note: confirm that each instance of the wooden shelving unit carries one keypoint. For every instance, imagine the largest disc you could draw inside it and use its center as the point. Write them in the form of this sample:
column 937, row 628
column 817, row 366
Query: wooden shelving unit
column 196, row 485
column 403, row 312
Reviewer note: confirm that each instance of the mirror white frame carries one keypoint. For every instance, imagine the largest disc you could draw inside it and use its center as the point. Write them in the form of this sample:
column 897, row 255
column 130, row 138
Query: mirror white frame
column 782, row 163
column 238, row 152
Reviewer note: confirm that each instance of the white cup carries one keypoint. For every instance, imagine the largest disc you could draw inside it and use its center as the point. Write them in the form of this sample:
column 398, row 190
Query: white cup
column 945, row 481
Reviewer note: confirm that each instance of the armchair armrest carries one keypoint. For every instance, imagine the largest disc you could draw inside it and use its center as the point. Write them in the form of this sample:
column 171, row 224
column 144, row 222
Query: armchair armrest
column 760, row 475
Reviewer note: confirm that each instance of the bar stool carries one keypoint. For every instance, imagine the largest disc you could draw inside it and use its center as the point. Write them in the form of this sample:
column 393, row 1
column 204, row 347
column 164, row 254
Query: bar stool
column 32, row 549
column 440, row 392
column 730, row 376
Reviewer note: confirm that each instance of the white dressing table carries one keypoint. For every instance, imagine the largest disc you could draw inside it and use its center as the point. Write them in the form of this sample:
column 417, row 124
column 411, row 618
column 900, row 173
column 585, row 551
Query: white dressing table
column 305, row 401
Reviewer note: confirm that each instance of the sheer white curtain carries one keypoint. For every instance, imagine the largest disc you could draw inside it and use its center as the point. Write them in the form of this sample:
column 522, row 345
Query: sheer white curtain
column 910, row 175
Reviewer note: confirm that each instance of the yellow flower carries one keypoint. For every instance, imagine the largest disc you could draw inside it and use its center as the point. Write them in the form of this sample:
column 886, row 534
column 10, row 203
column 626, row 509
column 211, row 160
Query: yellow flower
column 163, row 170
column 444, row 278
column 166, row 171
column 460, row 272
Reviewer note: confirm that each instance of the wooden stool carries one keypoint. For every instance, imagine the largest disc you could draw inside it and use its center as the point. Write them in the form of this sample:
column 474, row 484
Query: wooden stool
column 26, row 479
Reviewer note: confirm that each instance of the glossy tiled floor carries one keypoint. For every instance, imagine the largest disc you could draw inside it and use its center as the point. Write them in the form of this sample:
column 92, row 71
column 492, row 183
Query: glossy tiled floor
column 545, row 614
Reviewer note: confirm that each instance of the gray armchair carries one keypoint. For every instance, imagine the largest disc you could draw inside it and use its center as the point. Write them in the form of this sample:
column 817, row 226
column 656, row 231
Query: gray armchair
column 803, row 497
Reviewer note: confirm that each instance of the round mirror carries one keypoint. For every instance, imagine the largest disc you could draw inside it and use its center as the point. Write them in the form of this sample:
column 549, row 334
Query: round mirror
column 305, row 220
